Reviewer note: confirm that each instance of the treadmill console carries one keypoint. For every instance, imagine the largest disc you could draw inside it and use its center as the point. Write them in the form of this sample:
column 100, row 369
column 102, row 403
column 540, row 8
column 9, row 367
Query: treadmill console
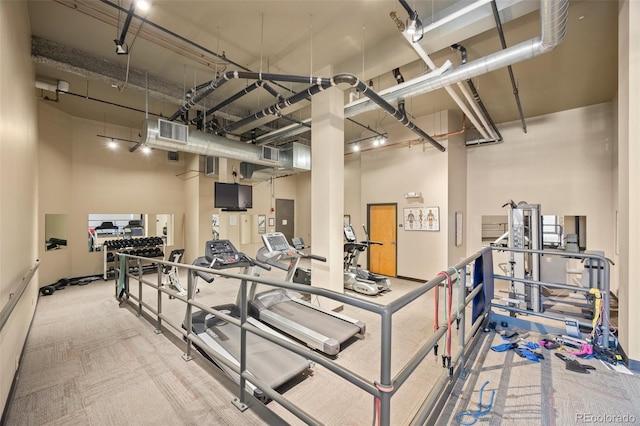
column 222, row 254
column 276, row 241
column 349, row 234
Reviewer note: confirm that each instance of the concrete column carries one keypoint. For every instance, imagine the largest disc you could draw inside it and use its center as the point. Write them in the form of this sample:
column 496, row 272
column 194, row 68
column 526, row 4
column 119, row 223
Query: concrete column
column 192, row 211
column 628, row 232
column 327, row 187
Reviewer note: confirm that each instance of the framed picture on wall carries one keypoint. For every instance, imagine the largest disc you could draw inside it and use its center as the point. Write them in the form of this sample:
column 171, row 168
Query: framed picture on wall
column 262, row 224
column 421, row 219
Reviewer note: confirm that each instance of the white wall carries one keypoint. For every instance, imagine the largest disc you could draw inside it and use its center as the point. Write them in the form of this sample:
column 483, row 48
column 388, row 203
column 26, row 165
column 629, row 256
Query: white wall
column 18, row 183
column 80, row 175
column 386, row 174
column 564, row 163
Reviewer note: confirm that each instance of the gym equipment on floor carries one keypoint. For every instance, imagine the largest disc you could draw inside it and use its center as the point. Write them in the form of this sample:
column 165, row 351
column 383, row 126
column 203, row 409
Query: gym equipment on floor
column 170, row 276
column 318, row 328
column 355, row 277
column 49, row 289
column 267, row 361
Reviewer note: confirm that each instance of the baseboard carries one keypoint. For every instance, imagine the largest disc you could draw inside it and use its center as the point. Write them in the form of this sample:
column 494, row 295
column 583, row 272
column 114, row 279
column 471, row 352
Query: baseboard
column 418, row 280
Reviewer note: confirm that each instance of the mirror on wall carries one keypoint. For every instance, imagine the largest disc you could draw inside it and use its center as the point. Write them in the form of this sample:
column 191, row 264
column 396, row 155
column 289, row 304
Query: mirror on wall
column 558, row 232
column 55, row 231
column 105, row 227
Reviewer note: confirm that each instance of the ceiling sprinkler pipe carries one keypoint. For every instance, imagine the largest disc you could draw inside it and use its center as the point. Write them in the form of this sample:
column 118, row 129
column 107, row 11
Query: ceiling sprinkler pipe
column 514, row 86
column 323, row 83
column 227, row 101
column 476, row 95
column 229, row 75
column 378, row 100
column 554, row 16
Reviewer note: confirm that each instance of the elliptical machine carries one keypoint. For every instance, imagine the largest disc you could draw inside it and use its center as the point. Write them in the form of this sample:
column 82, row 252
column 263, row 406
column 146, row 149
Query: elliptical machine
column 355, row 277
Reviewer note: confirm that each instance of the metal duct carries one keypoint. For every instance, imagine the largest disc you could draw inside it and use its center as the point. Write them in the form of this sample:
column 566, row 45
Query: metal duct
column 218, row 146
column 553, row 16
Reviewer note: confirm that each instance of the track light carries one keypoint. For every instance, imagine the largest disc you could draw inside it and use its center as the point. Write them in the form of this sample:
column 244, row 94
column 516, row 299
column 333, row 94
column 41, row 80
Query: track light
column 112, row 144
column 121, row 46
column 397, row 75
column 146, row 150
column 356, row 147
column 414, row 27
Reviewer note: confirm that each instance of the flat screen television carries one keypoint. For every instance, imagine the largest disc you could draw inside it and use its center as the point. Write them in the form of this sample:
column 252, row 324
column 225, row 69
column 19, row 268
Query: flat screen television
column 232, row 196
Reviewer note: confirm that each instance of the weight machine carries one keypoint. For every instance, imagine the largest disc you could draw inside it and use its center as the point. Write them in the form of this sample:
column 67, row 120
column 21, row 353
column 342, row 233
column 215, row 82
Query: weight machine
column 525, row 232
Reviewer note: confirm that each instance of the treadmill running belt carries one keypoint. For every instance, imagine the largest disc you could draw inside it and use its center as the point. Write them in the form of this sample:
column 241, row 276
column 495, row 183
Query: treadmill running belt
column 266, row 360
column 315, row 320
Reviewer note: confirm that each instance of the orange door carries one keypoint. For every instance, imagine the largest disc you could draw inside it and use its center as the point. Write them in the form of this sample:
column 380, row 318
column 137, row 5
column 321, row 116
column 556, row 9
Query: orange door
column 382, row 219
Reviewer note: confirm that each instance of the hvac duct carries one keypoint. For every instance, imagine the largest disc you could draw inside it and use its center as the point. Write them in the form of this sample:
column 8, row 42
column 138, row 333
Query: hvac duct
column 553, row 16
column 202, row 143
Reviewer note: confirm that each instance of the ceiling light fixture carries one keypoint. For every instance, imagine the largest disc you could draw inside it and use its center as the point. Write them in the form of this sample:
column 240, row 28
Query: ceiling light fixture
column 143, row 5
column 112, row 144
column 146, row 150
column 356, row 147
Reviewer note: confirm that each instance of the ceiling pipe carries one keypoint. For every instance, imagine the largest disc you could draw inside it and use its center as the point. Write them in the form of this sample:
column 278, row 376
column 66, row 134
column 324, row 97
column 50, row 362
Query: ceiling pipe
column 317, row 84
column 322, row 84
column 496, row 16
column 476, row 95
column 452, row 93
column 284, row 132
column 360, row 86
column 553, row 16
column 121, row 47
column 250, row 88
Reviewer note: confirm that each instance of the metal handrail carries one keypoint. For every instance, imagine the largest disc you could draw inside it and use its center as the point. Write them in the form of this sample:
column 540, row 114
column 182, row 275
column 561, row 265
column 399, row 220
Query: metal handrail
column 14, row 298
column 381, row 389
column 604, row 286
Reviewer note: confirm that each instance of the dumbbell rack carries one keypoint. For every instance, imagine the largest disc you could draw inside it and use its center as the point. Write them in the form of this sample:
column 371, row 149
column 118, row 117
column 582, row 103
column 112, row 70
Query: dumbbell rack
column 150, row 247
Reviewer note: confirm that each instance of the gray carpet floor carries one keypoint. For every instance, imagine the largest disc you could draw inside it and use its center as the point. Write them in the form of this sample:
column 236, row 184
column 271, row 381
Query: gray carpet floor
column 90, row 362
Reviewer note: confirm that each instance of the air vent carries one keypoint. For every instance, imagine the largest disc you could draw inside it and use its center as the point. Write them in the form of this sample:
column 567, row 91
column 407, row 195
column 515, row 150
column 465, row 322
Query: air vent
column 173, row 131
column 270, row 154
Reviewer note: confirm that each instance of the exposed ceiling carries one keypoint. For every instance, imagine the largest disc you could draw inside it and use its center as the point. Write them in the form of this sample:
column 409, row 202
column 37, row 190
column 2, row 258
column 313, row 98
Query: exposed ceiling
column 184, row 43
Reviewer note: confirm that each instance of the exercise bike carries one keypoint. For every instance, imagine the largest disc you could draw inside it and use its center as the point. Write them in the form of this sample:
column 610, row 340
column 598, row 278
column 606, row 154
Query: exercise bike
column 355, row 277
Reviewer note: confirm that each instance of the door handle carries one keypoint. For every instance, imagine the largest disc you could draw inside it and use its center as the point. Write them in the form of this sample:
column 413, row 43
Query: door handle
column 393, row 242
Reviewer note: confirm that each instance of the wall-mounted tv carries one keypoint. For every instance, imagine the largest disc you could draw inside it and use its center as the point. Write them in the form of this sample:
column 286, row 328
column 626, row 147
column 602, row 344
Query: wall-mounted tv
column 232, row 196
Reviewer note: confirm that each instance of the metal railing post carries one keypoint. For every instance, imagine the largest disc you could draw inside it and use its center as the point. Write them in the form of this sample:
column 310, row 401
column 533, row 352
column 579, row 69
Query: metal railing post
column 139, row 287
column 240, row 401
column 385, row 385
column 191, row 292
column 158, row 329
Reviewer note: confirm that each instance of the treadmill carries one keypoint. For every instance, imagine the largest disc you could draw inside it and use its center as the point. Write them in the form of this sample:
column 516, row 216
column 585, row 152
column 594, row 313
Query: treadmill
column 267, row 361
column 318, row 328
